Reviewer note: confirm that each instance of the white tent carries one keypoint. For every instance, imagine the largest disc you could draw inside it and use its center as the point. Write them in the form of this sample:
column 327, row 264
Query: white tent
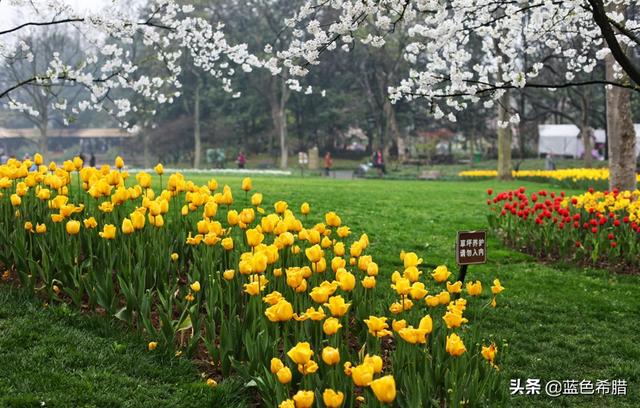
column 559, row 140
column 563, row 140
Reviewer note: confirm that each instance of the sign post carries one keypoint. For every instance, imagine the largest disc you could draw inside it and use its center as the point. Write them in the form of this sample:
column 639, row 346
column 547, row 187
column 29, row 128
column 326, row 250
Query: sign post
column 471, row 248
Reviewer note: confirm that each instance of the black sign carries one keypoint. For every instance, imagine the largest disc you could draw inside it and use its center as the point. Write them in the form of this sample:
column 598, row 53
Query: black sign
column 471, row 247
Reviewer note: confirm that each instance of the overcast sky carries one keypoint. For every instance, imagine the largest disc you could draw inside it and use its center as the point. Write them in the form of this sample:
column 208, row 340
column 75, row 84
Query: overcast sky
column 11, row 16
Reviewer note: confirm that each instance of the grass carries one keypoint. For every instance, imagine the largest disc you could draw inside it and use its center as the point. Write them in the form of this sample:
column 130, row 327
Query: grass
column 560, row 322
column 57, row 357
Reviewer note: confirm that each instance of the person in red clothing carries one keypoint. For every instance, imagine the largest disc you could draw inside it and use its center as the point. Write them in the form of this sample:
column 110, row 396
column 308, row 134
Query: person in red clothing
column 242, row 160
column 378, row 162
column 328, row 162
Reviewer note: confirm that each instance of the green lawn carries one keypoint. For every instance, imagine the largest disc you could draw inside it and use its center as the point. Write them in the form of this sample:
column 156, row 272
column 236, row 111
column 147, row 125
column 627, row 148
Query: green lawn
column 561, row 322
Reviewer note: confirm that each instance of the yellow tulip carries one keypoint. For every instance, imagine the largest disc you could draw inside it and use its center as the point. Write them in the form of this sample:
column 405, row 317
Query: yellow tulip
column 37, row 159
column 362, row 375
column 127, row 226
column 402, row 286
column 90, row 223
column 119, row 163
column 228, row 274
column 288, row 403
column 489, row 353
column 497, row 287
column 343, row 231
column 375, row 362
column 280, row 207
column 246, row 183
column 73, row 227
column 412, row 335
column 384, row 388
column 347, row 281
column 337, row 306
column 474, row 288
column 332, row 219
column 440, row 274
column 259, row 262
column 330, row 355
column 356, row 249
column 315, row 315
column 455, row 287
column 137, row 219
column 399, row 324
column 313, row 236
column 301, row 353
column 152, row 345
column 411, row 259
column 369, row 282
column 157, row 221
column 305, row 208
column 309, row 368
column 144, row 179
column 256, row 199
column 378, row 326
column 227, row 243
column 195, row 286
column 455, row 346
column 41, row 228
column 418, row 291
column 331, row 326
column 284, row 375
column 426, row 324
column 159, row 169
column 15, row 200
column 233, row 218
column 108, row 231
column 276, row 365
column 332, row 399
column 444, row 298
column 314, row 253
column 454, row 319
column 282, row 311
column 412, row 273
column 254, row 237
column 432, row 301
column 44, row 194
column 253, row 288
column 304, row 399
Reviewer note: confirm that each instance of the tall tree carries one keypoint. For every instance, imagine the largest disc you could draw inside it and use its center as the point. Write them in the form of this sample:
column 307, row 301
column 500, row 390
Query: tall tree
column 442, row 68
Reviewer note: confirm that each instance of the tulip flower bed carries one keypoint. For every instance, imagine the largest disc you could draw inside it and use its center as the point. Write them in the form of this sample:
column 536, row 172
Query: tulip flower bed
column 568, row 178
column 289, row 302
column 598, row 227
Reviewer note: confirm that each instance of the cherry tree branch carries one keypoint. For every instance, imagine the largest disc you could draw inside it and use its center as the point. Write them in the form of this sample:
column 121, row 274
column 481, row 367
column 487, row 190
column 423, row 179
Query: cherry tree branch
column 601, row 19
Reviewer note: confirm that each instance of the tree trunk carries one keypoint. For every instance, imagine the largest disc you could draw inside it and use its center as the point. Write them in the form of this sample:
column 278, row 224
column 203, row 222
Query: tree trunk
column 504, row 139
column 42, row 142
column 620, row 132
column 278, row 100
column 621, row 136
column 284, row 149
column 145, row 145
column 197, row 139
column 392, row 128
column 43, row 126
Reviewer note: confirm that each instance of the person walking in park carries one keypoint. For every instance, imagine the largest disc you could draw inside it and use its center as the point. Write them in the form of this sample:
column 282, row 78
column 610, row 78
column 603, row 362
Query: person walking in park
column 378, row 162
column 242, row 160
column 328, row 162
